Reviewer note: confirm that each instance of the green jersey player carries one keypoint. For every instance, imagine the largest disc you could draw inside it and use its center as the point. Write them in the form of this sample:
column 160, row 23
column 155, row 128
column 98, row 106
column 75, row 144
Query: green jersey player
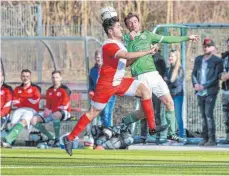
column 144, row 68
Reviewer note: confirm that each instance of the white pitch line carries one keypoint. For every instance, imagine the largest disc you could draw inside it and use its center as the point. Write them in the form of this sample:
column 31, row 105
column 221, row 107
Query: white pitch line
column 116, row 165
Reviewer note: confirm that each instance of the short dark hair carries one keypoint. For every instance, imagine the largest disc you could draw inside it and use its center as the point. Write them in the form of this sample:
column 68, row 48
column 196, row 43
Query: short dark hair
column 130, row 15
column 108, row 23
column 26, row 71
column 56, row 71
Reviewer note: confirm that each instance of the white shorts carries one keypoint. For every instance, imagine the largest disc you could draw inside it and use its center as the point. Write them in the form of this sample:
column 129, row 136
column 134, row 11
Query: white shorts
column 23, row 114
column 65, row 116
column 154, row 82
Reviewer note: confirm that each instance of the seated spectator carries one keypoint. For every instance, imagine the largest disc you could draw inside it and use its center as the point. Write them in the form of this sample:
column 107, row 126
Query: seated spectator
column 57, row 109
column 174, row 78
column 106, row 115
column 6, row 101
column 26, row 98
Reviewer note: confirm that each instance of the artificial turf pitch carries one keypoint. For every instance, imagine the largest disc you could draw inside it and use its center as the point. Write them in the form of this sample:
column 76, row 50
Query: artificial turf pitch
column 116, row 162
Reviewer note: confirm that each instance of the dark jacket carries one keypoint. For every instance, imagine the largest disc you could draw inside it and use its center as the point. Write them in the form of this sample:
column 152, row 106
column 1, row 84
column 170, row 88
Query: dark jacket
column 159, row 62
column 176, row 87
column 225, row 57
column 214, row 70
column 93, row 77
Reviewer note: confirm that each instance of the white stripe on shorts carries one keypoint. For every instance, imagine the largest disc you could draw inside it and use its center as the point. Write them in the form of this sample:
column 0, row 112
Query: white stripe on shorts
column 99, row 106
column 133, row 88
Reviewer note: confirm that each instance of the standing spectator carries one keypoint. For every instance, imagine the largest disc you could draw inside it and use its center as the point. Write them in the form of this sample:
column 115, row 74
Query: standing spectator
column 174, row 78
column 6, row 94
column 205, row 79
column 160, row 64
column 57, row 109
column 26, row 98
column 225, row 90
column 106, row 115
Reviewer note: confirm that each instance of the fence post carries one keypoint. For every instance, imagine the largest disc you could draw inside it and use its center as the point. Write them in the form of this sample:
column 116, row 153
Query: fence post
column 39, row 44
column 183, row 60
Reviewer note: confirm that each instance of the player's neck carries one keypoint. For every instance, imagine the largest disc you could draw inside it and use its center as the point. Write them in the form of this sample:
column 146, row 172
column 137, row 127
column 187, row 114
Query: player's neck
column 26, row 85
column 115, row 38
column 56, row 86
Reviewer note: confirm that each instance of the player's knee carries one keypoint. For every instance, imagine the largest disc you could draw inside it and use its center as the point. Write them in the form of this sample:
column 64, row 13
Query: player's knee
column 169, row 104
column 145, row 93
column 23, row 122
column 57, row 115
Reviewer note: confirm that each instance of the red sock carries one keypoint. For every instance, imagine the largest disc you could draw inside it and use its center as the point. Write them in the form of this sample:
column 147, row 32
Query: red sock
column 147, row 107
column 80, row 126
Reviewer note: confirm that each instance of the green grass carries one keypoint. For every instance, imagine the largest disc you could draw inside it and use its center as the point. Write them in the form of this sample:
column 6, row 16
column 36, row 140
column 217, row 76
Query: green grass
column 122, row 162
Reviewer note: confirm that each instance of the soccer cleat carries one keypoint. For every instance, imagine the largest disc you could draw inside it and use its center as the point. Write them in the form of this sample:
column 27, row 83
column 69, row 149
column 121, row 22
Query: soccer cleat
column 50, row 142
column 56, row 143
column 4, row 144
column 158, row 129
column 174, row 138
column 68, row 145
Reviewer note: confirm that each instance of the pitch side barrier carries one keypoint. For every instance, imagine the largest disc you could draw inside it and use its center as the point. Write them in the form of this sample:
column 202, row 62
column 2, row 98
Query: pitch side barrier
column 219, row 33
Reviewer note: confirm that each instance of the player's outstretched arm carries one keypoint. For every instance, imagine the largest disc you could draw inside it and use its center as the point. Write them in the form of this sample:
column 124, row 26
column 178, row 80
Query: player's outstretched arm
column 133, row 55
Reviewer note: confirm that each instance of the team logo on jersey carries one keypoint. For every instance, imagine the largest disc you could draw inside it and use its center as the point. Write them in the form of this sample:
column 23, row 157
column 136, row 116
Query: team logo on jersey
column 143, row 37
column 30, row 91
column 50, row 93
column 19, row 91
column 58, row 94
column 1, row 92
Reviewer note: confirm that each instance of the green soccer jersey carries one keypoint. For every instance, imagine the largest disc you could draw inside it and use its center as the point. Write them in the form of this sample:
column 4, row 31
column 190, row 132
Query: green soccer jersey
column 143, row 42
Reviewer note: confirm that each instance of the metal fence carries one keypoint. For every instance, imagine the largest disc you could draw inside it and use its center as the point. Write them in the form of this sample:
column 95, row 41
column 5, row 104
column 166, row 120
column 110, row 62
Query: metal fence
column 219, row 33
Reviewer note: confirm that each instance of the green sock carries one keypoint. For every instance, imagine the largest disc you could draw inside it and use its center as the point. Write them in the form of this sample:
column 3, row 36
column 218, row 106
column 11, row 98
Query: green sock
column 43, row 130
column 171, row 119
column 130, row 118
column 56, row 125
column 13, row 134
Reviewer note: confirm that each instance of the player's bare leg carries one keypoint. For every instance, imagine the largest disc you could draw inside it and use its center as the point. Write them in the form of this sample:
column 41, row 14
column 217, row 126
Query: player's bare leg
column 85, row 119
column 147, row 107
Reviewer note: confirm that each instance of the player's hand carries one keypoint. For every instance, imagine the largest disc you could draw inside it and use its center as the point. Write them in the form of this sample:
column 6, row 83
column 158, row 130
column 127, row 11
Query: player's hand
column 194, row 38
column 225, row 76
column 197, row 87
column 132, row 35
column 47, row 112
column 91, row 94
column 152, row 51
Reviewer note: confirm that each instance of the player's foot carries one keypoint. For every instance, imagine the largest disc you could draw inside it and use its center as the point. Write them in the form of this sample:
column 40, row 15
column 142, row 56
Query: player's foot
column 4, row 144
column 174, row 138
column 159, row 128
column 50, row 142
column 56, row 143
column 68, row 145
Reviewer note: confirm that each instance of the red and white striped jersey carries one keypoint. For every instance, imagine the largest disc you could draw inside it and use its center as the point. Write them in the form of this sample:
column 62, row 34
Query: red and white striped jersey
column 113, row 69
column 58, row 99
column 6, row 94
column 27, row 97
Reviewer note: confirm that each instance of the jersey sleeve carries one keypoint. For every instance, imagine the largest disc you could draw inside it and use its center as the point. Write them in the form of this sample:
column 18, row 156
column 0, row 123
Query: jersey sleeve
column 111, row 49
column 65, row 103
column 8, row 102
column 155, row 38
